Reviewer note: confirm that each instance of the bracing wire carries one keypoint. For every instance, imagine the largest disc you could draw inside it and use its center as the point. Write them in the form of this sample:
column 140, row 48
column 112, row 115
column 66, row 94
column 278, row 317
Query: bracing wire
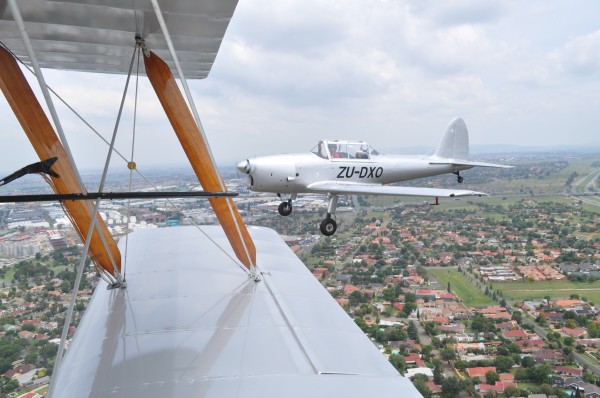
column 99, row 270
column 89, row 235
column 171, row 203
column 131, row 165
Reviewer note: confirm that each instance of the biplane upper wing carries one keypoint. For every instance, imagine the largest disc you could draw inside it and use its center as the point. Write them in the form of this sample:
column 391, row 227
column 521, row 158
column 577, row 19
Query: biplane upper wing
column 97, row 35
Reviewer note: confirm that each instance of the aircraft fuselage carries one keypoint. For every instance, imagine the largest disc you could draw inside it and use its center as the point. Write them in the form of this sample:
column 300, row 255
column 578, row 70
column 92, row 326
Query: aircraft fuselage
column 293, row 173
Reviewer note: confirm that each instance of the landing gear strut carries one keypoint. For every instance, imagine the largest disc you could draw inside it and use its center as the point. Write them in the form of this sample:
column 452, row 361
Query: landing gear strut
column 285, row 208
column 328, row 225
column 460, row 179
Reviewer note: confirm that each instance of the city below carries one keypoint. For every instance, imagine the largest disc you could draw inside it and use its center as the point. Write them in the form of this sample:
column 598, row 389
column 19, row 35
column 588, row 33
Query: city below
column 486, row 297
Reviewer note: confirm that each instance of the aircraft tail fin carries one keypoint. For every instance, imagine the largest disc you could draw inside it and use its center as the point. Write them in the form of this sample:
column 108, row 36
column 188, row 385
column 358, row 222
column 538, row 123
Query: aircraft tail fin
column 455, row 142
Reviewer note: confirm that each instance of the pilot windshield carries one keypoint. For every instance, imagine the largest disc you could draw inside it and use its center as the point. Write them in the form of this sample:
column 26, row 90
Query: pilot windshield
column 319, row 150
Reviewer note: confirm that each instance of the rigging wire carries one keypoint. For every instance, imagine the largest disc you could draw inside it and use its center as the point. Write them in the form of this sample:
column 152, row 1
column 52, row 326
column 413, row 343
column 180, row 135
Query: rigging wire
column 131, row 164
column 142, row 175
column 91, row 228
column 192, row 106
column 104, row 275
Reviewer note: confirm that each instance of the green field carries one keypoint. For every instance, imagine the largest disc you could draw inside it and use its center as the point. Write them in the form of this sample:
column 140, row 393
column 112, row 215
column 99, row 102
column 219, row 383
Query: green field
column 463, row 288
column 555, row 289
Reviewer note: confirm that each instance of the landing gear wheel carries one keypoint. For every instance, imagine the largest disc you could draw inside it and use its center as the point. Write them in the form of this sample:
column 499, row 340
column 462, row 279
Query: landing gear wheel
column 285, row 208
column 328, row 227
column 460, row 179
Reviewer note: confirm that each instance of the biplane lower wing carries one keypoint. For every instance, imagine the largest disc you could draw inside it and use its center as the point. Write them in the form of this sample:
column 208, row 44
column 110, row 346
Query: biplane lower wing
column 190, row 323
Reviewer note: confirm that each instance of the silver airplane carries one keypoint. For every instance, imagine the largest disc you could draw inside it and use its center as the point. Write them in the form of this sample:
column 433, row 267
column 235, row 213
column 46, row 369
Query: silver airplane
column 354, row 167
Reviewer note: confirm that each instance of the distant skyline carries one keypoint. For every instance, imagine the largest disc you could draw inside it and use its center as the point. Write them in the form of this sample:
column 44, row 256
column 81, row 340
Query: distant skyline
column 392, row 73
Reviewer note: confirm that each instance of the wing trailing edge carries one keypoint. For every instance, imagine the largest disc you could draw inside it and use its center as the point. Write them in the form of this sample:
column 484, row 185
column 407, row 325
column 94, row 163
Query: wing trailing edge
column 467, row 163
column 350, row 188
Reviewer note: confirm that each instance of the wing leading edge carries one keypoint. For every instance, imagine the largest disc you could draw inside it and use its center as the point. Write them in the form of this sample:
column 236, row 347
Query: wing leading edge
column 352, row 188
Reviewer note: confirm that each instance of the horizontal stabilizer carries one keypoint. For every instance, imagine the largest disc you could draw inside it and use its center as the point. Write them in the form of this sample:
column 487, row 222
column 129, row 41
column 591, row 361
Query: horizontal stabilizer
column 351, row 188
column 471, row 164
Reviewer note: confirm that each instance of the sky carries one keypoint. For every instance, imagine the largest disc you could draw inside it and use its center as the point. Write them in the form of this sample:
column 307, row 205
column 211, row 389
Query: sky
column 392, row 73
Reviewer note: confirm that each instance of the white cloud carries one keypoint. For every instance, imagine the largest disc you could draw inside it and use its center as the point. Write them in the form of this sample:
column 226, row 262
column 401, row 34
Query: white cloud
column 580, row 56
column 390, row 72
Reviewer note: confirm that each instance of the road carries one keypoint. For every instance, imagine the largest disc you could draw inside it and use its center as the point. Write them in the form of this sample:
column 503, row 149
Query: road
column 426, row 340
column 579, row 358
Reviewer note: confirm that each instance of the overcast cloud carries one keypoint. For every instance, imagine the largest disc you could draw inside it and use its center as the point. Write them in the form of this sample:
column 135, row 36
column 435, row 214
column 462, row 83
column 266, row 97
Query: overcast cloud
column 392, row 73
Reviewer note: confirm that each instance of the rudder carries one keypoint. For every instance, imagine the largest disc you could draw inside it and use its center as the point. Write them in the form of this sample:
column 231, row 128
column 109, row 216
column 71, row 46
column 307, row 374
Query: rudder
column 455, row 141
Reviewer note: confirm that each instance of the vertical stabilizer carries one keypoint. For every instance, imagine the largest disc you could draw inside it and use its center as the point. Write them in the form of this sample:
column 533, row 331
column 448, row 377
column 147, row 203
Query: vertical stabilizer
column 455, row 142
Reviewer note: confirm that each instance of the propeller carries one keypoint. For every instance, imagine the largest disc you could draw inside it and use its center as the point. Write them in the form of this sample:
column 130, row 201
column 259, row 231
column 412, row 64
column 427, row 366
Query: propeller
column 244, row 167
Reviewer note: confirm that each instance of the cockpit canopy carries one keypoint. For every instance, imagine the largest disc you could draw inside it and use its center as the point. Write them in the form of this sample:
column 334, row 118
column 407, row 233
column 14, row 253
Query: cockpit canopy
column 338, row 150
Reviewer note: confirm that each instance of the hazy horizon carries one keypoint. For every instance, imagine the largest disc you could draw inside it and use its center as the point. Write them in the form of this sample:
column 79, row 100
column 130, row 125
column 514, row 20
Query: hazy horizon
column 391, row 73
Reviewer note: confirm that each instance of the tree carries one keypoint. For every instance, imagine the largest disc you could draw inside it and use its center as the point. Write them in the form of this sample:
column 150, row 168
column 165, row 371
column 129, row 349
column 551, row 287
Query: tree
column 491, row 377
column 412, row 331
column 503, row 363
column 28, row 327
column 426, row 350
column 517, row 316
column 528, row 362
column 568, row 341
column 450, row 387
column 395, row 333
column 448, row 354
column 438, row 374
column 540, row 373
column 512, row 391
column 408, row 308
column 398, row 362
column 420, row 382
column 10, row 385
column 390, row 294
column 522, row 374
column 31, row 358
column 429, row 328
column 547, row 389
column 5, row 365
column 410, row 297
column 481, row 324
column 570, row 323
column 588, row 376
column 356, row 297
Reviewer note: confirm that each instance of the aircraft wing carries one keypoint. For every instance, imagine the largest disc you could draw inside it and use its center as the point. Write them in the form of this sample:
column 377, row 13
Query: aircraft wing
column 351, row 188
column 98, row 35
column 471, row 164
column 192, row 324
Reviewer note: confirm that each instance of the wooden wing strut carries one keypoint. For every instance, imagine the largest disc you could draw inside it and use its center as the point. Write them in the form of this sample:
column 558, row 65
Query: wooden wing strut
column 47, row 145
column 198, row 153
